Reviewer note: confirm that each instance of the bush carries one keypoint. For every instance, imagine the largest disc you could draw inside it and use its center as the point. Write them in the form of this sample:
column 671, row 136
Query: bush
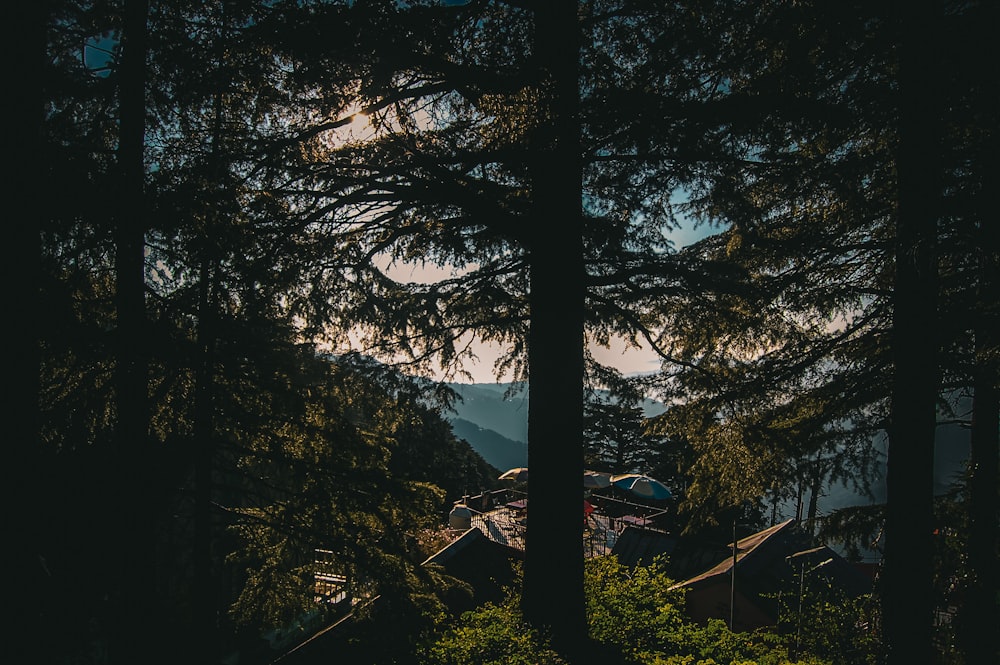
column 633, row 612
column 492, row 635
column 637, row 611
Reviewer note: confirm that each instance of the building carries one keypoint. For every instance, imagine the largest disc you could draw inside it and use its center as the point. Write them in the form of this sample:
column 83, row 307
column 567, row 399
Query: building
column 742, row 589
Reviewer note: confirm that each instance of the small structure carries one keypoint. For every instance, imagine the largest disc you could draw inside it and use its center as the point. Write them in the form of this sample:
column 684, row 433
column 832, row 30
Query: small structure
column 460, row 517
column 482, row 563
column 763, row 564
column 637, row 546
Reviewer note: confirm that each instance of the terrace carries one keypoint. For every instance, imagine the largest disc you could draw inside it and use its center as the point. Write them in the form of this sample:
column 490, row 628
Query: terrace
column 502, row 517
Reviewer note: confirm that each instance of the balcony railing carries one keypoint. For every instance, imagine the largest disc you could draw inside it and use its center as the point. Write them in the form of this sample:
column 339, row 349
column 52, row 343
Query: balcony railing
column 501, row 516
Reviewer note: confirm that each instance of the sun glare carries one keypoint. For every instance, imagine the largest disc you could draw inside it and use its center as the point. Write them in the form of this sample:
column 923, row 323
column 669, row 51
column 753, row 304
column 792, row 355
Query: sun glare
column 352, row 126
column 359, row 122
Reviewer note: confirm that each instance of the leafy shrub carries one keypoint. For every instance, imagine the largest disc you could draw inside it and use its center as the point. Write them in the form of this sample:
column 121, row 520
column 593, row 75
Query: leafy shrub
column 492, row 635
column 638, row 611
column 635, row 612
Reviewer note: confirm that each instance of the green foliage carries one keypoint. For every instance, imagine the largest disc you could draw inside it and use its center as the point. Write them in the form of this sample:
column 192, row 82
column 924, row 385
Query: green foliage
column 632, row 608
column 492, row 635
column 822, row 620
column 635, row 613
column 328, row 480
column 614, row 439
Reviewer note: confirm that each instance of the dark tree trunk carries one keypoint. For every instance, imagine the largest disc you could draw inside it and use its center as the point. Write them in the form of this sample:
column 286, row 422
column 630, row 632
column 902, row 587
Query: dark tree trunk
column 907, row 593
column 553, row 570
column 203, row 644
column 815, row 489
column 206, row 598
column 133, row 508
column 981, row 616
column 26, row 477
column 798, row 497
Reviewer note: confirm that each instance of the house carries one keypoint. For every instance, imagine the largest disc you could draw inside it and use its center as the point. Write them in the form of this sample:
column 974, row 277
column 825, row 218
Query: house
column 637, row 546
column 765, row 563
column 480, row 562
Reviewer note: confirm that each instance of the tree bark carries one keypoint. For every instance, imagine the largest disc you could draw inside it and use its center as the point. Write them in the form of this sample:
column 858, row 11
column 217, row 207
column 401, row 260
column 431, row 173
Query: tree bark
column 981, row 613
column 553, row 571
column 205, row 646
column 27, row 478
column 133, row 507
column 815, row 489
column 907, row 610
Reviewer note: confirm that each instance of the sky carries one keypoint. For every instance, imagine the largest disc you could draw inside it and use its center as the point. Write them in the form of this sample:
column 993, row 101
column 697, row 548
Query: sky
column 628, row 361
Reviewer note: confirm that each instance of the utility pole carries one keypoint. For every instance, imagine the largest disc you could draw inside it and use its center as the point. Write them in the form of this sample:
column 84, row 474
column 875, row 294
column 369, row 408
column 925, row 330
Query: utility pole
column 732, row 586
column 802, row 588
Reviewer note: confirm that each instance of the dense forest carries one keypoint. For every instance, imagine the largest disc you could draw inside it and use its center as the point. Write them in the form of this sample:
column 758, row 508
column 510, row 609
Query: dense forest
column 217, row 369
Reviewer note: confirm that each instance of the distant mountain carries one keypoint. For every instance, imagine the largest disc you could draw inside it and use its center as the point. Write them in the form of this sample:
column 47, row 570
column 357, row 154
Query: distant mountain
column 497, row 428
column 484, row 404
column 496, row 449
column 496, row 425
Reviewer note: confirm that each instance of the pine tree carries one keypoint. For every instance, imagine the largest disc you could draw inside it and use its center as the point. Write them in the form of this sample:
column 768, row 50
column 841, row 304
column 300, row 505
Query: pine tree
column 797, row 363
column 22, row 275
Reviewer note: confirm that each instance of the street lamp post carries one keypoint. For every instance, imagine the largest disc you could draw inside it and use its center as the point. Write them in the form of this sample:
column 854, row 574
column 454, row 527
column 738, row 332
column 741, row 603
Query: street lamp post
column 802, row 586
column 740, row 509
column 732, row 586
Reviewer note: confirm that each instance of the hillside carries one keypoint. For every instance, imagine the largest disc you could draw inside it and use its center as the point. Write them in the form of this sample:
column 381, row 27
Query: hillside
column 496, row 449
column 496, row 425
column 484, row 405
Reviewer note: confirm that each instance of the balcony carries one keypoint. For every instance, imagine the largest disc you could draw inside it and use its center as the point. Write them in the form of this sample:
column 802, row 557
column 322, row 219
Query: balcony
column 502, row 516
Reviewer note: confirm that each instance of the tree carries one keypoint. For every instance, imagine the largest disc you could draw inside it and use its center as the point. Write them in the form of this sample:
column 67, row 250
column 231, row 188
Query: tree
column 200, row 225
column 135, row 523
column 969, row 304
column 796, row 364
column 23, row 278
column 457, row 170
column 473, row 161
column 341, row 477
column 907, row 609
column 554, row 553
column 614, row 437
column 769, row 361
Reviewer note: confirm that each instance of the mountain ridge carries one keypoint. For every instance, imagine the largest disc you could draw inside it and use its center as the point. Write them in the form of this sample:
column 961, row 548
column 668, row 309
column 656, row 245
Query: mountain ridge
column 493, row 419
column 495, row 424
column 498, row 451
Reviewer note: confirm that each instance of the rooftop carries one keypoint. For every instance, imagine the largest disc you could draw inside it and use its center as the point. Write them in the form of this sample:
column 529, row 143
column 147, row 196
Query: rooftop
column 501, row 515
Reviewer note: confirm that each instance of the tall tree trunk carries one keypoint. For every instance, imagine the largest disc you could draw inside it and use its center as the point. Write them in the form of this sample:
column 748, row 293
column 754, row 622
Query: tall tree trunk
column 907, row 594
column 815, row 489
column 553, row 570
column 133, row 507
column 981, row 616
column 26, row 479
column 800, row 493
column 205, row 644
column 981, row 613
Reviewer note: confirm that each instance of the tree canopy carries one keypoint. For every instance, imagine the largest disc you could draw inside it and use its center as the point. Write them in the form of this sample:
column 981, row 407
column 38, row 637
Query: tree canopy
column 240, row 190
